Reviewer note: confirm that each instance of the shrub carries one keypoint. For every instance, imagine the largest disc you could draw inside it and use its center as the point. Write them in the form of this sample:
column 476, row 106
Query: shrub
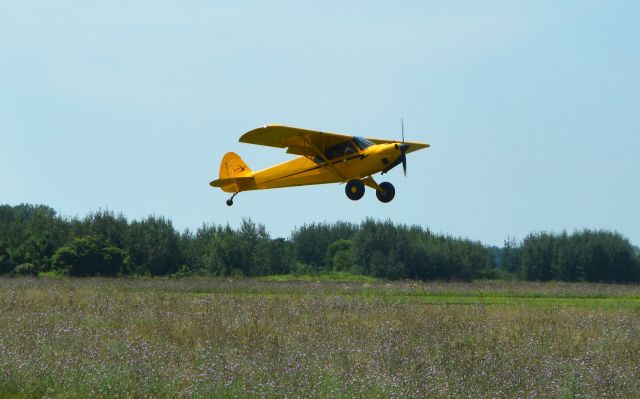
column 87, row 256
column 25, row 269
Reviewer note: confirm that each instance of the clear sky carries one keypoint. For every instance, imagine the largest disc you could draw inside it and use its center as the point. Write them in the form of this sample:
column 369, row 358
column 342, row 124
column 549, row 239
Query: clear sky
column 532, row 108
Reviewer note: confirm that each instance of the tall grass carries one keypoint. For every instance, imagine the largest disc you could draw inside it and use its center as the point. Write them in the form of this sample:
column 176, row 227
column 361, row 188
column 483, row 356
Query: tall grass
column 252, row 338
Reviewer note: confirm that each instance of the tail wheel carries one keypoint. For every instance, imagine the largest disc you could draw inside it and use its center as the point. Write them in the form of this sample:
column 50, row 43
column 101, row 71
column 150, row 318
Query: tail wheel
column 387, row 193
column 230, row 200
column 354, row 189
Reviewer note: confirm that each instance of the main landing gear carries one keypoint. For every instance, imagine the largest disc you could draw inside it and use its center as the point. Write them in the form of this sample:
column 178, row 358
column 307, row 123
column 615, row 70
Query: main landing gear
column 386, row 192
column 355, row 189
column 230, row 200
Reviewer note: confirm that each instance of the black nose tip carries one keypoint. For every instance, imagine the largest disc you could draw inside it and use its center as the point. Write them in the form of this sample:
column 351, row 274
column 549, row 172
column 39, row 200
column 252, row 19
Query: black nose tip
column 404, row 147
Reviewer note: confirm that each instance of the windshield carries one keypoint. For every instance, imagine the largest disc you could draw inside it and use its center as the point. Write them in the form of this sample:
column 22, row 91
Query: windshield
column 362, row 143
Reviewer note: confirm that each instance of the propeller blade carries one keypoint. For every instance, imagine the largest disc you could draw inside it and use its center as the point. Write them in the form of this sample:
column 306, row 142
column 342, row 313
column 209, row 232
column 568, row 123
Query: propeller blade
column 404, row 164
column 403, row 149
column 402, row 159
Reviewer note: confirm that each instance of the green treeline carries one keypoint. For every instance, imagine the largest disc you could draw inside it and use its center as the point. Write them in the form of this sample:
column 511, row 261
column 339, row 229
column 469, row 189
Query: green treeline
column 34, row 240
column 591, row 256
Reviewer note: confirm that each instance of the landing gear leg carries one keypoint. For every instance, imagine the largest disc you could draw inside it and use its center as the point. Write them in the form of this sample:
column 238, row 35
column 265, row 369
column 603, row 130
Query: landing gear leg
column 230, row 200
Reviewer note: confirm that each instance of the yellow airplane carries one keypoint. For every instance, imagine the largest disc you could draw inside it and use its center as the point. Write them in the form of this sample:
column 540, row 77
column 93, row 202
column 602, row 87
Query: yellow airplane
column 324, row 158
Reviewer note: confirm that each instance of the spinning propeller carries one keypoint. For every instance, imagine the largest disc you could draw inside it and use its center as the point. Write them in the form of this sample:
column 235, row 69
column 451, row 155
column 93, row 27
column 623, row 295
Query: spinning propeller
column 403, row 149
column 403, row 154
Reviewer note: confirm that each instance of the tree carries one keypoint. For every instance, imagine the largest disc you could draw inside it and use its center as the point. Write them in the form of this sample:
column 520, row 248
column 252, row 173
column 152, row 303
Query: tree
column 88, row 256
column 199, row 248
column 566, row 263
column 380, row 248
column 339, row 255
column 537, row 257
column 5, row 261
column 106, row 226
column 510, row 255
column 607, row 257
column 228, row 257
column 29, row 234
column 279, row 256
column 254, row 257
column 311, row 241
column 595, row 256
column 154, row 246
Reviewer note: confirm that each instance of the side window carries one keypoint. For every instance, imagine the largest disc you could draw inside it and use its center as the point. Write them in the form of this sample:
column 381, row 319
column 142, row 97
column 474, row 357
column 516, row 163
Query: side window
column 337, row 151
column 349, row 148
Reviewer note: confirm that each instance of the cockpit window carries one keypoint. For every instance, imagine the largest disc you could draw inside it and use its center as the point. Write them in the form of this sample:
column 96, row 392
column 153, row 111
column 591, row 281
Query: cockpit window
column 337, row 151
column 362, row 143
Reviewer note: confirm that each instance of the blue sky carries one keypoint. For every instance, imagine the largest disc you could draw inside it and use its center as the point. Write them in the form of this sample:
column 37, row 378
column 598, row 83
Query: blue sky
column 532, row 108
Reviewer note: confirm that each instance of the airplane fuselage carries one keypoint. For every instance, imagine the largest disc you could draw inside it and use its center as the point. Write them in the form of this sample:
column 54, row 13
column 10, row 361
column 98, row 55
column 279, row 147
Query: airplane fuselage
column 304, row 170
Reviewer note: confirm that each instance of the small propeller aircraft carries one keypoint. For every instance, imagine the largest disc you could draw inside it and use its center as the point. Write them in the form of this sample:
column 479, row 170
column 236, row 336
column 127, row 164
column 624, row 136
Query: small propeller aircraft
column 324, row 158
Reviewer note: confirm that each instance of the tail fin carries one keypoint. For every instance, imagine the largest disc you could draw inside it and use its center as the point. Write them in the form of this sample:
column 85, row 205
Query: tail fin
column 235, row 175
column 233, row 166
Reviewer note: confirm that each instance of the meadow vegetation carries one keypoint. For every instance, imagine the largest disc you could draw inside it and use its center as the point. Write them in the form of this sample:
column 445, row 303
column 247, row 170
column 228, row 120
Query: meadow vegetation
column 241, row 337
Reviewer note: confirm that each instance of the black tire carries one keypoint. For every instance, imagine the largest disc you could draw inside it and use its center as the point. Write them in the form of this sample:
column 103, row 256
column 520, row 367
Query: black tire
column 387, row 193
column 354, row 189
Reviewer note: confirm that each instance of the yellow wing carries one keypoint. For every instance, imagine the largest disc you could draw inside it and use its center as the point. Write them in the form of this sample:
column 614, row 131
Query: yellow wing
column 297, row 141
column 413, row 145
column 306, row 142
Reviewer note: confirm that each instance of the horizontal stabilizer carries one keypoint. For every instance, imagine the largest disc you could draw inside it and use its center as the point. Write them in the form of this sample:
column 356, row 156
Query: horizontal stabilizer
column 234, row 184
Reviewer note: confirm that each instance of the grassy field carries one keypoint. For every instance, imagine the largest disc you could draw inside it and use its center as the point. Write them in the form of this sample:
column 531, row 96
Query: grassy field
column 286, row 338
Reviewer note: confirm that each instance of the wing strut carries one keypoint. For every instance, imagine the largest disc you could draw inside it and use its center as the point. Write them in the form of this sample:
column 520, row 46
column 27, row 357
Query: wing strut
column 324, row 158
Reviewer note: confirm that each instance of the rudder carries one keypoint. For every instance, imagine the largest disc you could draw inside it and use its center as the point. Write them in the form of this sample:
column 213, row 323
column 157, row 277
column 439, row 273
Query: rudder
column 233, row 166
